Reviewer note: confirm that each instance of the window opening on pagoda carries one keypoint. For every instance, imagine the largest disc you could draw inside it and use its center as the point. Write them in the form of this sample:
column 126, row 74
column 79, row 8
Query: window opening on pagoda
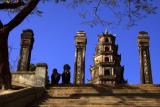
column 107, row 40
column 79, row 43
column 106, row 59
column 106, row 72
column 106, row 49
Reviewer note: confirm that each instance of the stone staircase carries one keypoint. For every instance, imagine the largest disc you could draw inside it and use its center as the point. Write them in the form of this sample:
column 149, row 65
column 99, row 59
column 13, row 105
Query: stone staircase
column 101, row 96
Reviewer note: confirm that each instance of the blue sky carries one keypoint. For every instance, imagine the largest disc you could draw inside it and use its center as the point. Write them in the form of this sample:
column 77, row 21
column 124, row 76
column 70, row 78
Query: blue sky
column 54, row 41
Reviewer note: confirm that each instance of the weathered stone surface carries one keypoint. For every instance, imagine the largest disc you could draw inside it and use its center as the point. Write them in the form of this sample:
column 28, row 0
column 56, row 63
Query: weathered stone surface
column 79, row 66
column 107, row 68
column 101, row 96
column 35, row 78
column 27, row 41
column 41, row 74
column 144, row 55
column 23, row 78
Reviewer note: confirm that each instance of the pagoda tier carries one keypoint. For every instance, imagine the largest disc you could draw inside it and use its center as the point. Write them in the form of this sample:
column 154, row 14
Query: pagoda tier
column 106, row 49
column 107, row 68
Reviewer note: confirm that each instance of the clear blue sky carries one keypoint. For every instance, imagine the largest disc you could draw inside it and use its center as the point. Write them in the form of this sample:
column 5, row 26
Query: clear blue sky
column 54, row 41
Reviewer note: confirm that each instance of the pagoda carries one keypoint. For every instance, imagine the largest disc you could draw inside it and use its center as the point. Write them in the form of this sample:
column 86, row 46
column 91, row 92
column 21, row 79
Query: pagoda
column 107, row 68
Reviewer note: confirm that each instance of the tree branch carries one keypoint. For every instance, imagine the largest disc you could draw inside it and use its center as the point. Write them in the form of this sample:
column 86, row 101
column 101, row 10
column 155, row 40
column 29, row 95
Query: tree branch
column 11, row 5
column 21, row 15
column 97, row 7
column 129, row 9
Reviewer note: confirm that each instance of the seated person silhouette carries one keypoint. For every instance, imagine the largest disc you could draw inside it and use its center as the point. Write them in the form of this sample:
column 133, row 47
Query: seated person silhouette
column 66, row 74
column 55, row 77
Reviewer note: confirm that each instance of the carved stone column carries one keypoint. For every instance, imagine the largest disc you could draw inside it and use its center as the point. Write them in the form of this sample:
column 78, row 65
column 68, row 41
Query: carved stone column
column 79, row 68
column 144, row 54
column 27, row 41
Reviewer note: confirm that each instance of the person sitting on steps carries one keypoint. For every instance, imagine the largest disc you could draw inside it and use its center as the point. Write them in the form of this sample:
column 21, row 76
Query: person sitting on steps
column 55, row 77
column 66, row 74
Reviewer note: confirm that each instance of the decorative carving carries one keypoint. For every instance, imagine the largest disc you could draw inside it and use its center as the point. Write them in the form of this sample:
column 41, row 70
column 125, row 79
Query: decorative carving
column 143, row 44
column 107, row 68
column 79, row 70
column 27, row 41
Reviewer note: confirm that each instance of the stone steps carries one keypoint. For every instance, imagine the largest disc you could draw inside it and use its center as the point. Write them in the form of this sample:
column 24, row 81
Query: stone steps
column 86, row 102
column 105, row 99
column 142, row 87
column 116, row 105
column 105, row 91
column 63, row 91
column 101, row 96
column 98, row 101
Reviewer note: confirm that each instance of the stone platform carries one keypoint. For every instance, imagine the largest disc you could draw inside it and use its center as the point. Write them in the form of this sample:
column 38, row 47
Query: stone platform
column 101, row 96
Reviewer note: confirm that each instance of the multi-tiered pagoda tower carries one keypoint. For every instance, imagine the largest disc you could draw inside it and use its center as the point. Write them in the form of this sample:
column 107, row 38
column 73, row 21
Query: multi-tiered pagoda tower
column 107, row 68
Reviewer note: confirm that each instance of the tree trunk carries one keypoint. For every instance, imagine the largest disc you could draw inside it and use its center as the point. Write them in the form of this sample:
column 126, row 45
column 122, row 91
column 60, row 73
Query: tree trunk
column 5, row 75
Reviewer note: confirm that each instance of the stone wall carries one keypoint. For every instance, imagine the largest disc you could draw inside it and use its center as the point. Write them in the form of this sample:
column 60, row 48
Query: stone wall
column 24, row 79
column 35, row 78
column 21, row 98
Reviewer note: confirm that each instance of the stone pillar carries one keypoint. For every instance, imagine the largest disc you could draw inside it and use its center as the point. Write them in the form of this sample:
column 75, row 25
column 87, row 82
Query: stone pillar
column 79, row 67
column 27, row 41
column 144, row 54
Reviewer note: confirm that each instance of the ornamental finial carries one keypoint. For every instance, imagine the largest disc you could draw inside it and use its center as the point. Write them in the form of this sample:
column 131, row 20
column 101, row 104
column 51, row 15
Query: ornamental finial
column 106, row 31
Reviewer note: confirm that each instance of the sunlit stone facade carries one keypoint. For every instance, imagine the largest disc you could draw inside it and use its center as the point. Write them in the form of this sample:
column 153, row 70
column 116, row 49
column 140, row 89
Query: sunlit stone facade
column 106, row 68
column 144, row 54
column 79, row 66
